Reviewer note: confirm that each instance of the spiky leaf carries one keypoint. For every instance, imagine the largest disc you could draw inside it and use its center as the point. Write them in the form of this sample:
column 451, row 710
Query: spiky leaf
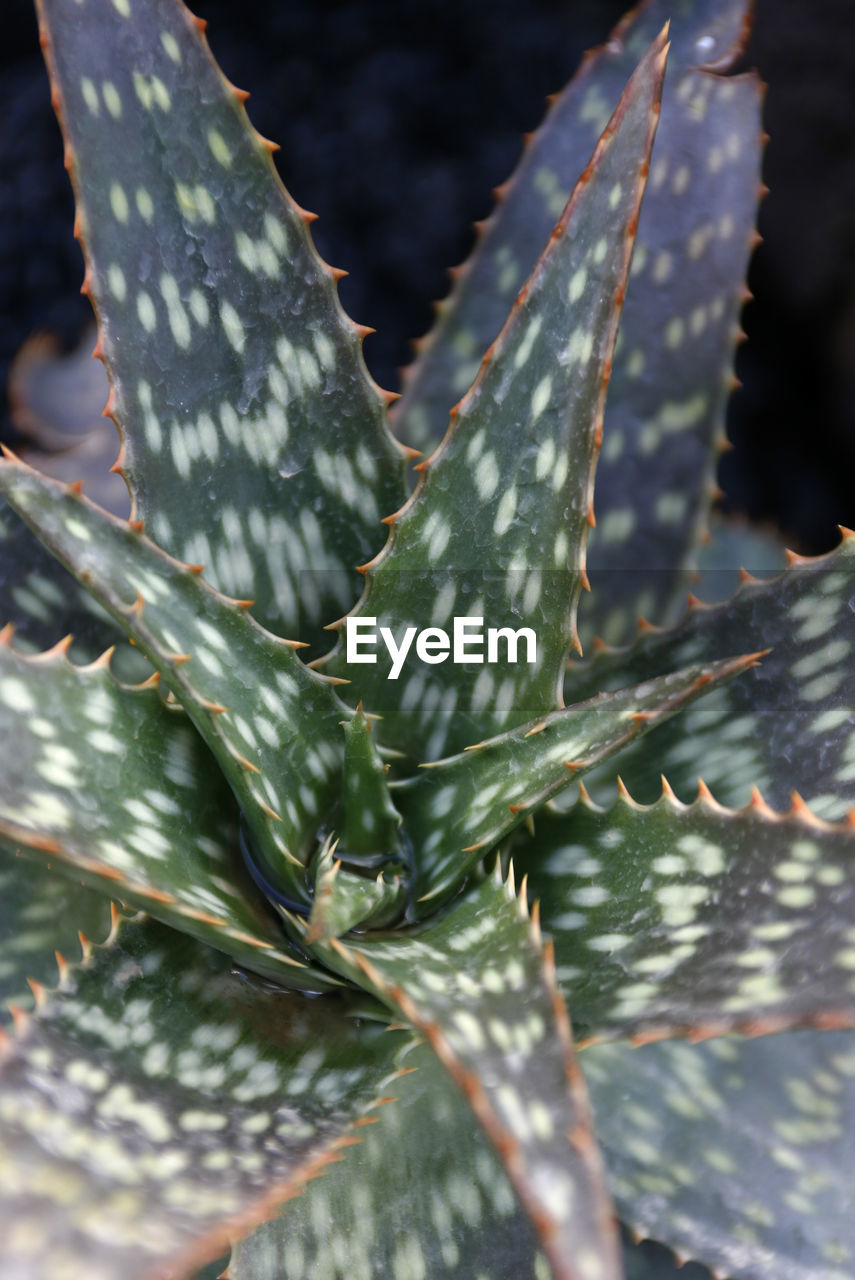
column 671, row 370
column 688, row 920
column 155, row 1103
column 525, row 486
column 457, row 809
column 278, row 740
column 736, row 1152
column 210, row 294
column 794, row 729
column 114, row 788
column 42, row 601
column 423, row 1194
column 479, row 987
column 39, row 914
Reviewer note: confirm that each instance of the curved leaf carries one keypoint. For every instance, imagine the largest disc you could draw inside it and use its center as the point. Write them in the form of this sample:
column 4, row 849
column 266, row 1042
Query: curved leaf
column 459, row 808
column 736, row 1152
column 209, row 294
column 674, row 920
column 478, row 985
column 278, row 741
column 794, row 728
column 155, row 1104
column 504, row 502
column 40, row 913
column 665, row 405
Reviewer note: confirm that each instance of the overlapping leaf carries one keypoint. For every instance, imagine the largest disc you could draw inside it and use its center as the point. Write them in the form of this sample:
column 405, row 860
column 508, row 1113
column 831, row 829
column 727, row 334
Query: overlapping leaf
column 43, row 601
column 503, row 505
column 479, row 987
column 459, row 808
column 220, row 326
column 156, row 1104
column 278, row 741
column 736, row 1152
column 39, row 914
column 671, row 920
column 671, row 370
column 116, row 789
column 423, row 1194
column 795, row 726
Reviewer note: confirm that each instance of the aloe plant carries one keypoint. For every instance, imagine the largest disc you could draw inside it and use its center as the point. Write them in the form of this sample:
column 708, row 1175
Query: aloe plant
column 296, row 815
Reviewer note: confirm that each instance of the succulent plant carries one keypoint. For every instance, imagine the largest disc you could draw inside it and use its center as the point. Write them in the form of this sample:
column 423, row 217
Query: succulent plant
column 320, row 862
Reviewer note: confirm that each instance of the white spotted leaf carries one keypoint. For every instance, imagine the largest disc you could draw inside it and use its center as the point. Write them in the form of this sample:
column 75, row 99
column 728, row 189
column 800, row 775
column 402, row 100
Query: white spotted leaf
column 457, row 809
column 156, row 1104
column 794, row 730
column 254, row 441
column 735, row 1152
column 669, row 383
column 692, row 920
column 40, row 913
column 277, row 740
column 390, row 1209
column 496, row 528
column 43, row 602
column 113, row 788
column 478, row 985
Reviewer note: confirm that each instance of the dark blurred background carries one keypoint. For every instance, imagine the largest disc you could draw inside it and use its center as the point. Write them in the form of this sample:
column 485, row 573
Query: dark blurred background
column 396, row 119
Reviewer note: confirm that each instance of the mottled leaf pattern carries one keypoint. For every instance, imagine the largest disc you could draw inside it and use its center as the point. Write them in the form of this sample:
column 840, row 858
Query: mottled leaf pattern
column 458, row 809
column 278, row 742
column 672, row 920
column 794, row 728
column 526, row 490
column 737, row 1152
column 40, row 913
column 155, row 1102
column 220, row 325
column 167, row 843
column 43, row 601
column 477, row 984
column 160, row 1102
column 671, row 370
column 422, row 1195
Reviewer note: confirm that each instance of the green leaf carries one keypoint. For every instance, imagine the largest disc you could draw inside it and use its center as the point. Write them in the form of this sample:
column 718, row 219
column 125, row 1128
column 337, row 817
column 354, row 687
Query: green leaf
column 40, row 914
column 736, row 1152
column 344, row 900
column 423, row 1194
column 669, row 382
column 278, row 741
column 504, row 501
column 156, row 1103
column 457, row 809
column 114, row 788
column 254, row 441
column 674, row 920
column 795, row 725
column 369, row 824
column 477, row 984
column 42, row 601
